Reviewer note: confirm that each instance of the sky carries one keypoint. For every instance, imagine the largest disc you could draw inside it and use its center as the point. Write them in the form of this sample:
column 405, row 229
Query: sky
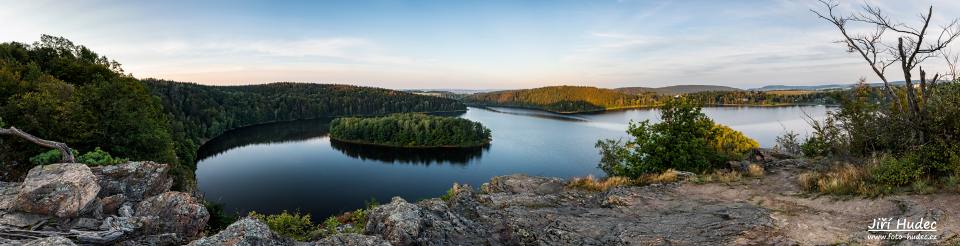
column 488, row 44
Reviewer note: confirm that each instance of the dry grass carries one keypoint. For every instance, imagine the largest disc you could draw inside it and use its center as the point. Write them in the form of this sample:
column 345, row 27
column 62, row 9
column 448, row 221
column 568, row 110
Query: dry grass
column 594, row 184
column 667, row 176
column 755, row 170
column 721, row 176
column 591, row 183
column 840, row 180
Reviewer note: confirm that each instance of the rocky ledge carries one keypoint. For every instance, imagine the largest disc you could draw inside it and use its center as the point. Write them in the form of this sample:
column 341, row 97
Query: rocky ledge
column 130, row 204
column 125, row 204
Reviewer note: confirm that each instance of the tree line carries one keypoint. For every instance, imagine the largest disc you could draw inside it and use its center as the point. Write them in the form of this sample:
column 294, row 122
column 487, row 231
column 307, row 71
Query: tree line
column 573, row 99
column 411, row 130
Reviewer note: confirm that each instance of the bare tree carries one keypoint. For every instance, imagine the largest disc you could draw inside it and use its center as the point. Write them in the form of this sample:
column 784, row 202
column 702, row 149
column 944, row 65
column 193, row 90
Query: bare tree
column 66, row 154
column 910, row 48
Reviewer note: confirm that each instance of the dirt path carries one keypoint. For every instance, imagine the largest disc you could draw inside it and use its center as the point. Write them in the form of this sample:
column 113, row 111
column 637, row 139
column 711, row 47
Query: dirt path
column 811, row 220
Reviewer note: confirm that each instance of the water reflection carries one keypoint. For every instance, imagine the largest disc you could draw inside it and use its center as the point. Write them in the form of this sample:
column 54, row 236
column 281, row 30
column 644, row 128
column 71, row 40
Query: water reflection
column 424, row 156
column 274, row 133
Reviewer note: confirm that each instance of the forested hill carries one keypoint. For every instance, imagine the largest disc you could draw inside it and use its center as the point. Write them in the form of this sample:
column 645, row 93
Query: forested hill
column 676, row 89
column 201, row 112
column 564, row 99
column 574, row 99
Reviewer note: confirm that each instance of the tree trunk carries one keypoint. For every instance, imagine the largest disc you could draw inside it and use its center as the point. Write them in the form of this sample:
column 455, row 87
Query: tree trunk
column 66, row 154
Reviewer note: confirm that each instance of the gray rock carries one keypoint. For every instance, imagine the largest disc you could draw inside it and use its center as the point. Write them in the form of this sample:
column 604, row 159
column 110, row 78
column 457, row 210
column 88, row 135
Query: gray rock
column 50, row 241
column 111, row 204
column 135, row 180
column 62, row 190
column 245, row 232
column 173, row 212
column 352, row 239
column 398, row 222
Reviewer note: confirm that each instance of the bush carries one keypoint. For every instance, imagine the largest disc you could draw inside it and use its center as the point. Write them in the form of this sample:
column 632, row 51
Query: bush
column 893, row 171
column 46, row 158
column 685, row 140
column 96, row 157
column 294, row 225
column 789, row 143
column 99, row 157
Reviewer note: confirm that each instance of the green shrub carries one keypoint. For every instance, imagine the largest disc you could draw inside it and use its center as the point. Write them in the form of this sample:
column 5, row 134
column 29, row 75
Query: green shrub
column 99, row 157
column 294, row 225
column 96, row 157
column 46, row 158
column 789, row 142
column 685, row 140
column 893, row 171
column 330, row 225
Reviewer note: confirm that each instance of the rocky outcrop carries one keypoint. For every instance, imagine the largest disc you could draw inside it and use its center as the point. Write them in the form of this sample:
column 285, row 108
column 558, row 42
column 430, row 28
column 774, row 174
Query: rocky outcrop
column 50, row 241
column 526, row 210
column 61, row 190
column 134, row 180
column 244, row 232
column 352, row 239
column 174, row 212
column 125, row 204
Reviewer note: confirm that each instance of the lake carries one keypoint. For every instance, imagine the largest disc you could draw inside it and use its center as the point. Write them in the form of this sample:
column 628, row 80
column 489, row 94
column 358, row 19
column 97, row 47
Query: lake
column 294, row 166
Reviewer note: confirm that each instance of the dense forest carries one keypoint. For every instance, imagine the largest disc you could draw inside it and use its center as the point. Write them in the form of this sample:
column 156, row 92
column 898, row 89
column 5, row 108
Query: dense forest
column 563, row 99
column 201, row 112
column 675, row 89
column 410, row 130
column 57, row 90
column 574, row 99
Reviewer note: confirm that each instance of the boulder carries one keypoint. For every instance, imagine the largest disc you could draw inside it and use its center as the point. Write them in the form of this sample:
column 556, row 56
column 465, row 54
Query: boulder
column 134, row 180
column 398, row 222
column 50, row 241
column 521, row 183
column 352, row 239
column 173, row 212
column 62, row 190
column 245, row 232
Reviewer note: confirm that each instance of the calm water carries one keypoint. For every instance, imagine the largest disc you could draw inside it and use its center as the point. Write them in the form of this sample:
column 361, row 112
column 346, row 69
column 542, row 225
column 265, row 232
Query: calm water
column 295, row 166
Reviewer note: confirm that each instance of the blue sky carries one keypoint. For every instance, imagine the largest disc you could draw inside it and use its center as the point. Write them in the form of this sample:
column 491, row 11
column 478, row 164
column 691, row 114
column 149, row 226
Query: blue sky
column 460, row 44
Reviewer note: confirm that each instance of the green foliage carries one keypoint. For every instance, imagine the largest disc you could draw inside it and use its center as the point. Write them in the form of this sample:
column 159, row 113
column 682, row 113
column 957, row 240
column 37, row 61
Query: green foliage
column 99, row 157
column 96, row 157
column 330, row 225
column 894, row 171
column 294, row 225
column 49, row 157
column 563, row 98
column 789, row 142
column 685, row 140
column 202, row 112
column 57, row 90
column 411, row 130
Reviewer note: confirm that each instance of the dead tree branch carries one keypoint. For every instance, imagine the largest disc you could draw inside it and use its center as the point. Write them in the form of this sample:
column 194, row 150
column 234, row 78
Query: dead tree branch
column 66, row 154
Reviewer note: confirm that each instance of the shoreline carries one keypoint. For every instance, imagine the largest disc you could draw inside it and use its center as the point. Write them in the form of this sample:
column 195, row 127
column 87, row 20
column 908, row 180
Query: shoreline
column 644, row 107
column 332, row 138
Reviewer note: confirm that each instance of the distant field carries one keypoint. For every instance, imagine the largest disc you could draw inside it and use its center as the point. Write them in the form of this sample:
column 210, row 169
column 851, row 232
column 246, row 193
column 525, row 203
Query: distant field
column 791, row 92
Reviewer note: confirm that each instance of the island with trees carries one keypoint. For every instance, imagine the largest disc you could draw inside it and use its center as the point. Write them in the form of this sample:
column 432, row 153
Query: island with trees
column 410, row 130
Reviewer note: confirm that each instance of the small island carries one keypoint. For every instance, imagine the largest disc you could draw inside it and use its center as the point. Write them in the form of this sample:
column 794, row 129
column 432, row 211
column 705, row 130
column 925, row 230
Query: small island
column 410, row 130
